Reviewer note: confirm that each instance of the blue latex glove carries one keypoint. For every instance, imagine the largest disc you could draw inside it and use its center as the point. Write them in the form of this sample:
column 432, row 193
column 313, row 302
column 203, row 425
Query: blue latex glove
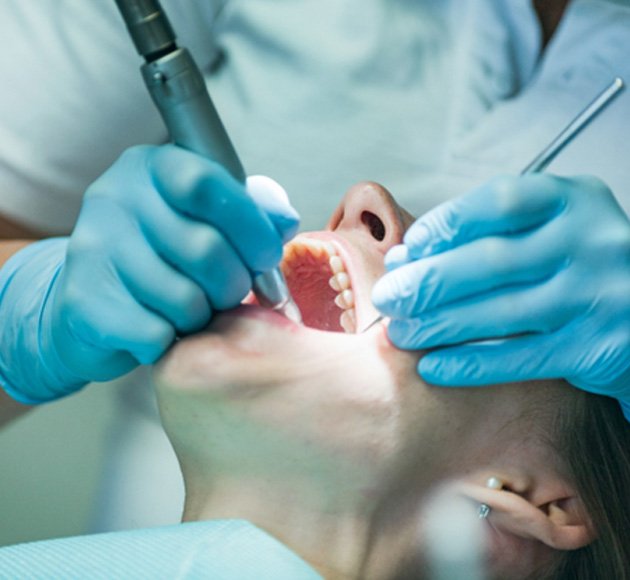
column 539, row 263
column 164, row 238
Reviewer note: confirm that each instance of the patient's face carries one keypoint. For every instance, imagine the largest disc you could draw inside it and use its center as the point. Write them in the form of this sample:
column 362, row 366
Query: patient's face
column 258, row 395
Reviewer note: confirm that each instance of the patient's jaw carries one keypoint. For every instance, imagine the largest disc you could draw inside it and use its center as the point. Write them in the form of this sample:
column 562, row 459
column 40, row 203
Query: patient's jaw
column 309, row 433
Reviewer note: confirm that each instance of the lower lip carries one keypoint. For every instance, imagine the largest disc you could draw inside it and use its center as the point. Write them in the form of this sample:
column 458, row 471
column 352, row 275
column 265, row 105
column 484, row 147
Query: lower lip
column 256, row 312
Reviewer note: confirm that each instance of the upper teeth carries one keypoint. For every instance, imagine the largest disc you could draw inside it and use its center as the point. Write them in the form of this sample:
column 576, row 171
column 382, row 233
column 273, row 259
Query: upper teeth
column 336, row 264
column 339, row 282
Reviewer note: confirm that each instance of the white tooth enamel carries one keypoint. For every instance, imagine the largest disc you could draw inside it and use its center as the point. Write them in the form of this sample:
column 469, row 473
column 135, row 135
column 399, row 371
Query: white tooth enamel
column 336, row 265
column 348, row 321
column 348, row 298
column 340, row 282
column 318, row 245
column 345, row 300
column 343, row 281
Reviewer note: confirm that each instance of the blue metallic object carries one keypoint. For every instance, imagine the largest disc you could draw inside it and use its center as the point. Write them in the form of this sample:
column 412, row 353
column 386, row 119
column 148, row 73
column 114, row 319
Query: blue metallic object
column 179, row 92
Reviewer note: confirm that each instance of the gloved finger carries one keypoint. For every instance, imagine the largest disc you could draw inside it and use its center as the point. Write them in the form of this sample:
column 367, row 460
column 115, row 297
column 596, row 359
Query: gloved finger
column 396, row 257
column 161, row 288
column 479, row 267
column 521, row 358
column 226, row 280
column 504, row 205
column 205, row 191
column 119, row 324
column 138, row 331
column 101, row 364
column 207, row 257
column 200, row 252
column 511, row 311
column 270, row 196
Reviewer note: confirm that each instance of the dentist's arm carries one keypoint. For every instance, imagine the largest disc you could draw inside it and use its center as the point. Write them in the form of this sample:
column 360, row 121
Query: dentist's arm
column 164, row 238
column 9, row 408
column 13, row 237
column 540, row 263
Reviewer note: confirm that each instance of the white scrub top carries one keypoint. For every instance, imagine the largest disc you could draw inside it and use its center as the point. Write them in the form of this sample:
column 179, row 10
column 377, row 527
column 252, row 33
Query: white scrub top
column 430, row 98
column 426, row 97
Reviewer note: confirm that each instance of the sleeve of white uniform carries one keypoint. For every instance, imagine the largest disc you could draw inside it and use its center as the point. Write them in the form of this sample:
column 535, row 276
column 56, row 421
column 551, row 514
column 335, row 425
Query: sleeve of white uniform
column 73, row 100
column 220, row 549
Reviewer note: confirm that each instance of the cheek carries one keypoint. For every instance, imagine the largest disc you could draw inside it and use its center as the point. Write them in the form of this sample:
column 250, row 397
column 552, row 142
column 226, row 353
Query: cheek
column 434, row 419
column 402, row 364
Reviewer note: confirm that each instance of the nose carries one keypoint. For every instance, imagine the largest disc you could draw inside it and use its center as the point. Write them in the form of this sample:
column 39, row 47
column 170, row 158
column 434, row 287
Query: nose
column 368, row 208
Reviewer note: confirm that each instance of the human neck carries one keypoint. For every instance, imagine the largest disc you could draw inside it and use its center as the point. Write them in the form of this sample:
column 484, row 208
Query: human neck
column 332, row 536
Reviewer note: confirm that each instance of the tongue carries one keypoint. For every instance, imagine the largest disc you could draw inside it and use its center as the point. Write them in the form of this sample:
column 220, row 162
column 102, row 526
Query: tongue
column 307, row 278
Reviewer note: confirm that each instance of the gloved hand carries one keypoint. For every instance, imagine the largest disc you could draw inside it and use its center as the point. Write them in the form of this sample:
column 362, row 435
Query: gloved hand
column 524, row 278
column 163, row 239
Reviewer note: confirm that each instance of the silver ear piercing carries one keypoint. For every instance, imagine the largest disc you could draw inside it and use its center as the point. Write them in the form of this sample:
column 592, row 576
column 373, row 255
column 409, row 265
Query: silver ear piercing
column 485, row 509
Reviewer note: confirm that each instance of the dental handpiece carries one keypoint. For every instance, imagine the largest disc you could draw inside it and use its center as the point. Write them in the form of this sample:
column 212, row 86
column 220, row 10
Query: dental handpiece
column 178, row 90
column 549, row 153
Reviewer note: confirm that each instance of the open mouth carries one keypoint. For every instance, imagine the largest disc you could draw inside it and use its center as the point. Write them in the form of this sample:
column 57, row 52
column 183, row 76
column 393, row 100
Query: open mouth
column 318, row 279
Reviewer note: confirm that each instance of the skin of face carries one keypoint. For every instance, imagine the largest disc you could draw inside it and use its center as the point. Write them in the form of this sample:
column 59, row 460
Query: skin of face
column 308, row 433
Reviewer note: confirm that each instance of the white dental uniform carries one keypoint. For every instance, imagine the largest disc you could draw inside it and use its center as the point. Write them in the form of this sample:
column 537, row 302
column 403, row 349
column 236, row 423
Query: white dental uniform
column 429, row 98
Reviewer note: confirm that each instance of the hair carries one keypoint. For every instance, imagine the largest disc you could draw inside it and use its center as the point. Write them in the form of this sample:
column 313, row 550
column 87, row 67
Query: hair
column 593, row 439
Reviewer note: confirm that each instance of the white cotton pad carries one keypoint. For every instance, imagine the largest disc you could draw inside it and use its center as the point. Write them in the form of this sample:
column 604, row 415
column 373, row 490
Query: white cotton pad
column 266, row 191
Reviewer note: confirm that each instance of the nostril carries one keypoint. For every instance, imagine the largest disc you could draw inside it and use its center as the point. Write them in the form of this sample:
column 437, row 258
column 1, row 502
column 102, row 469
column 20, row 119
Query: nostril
column 375, row 225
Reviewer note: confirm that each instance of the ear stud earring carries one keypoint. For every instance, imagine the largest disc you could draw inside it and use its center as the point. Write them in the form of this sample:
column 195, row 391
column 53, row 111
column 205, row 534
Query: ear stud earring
column 485, row 509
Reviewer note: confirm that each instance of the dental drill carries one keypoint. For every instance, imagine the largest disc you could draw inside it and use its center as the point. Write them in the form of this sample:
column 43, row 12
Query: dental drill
column 178, row 90
column 549, row 153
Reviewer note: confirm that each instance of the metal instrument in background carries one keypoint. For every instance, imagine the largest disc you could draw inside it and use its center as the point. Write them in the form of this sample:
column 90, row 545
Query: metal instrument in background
column 178, row 90
column 548, row 154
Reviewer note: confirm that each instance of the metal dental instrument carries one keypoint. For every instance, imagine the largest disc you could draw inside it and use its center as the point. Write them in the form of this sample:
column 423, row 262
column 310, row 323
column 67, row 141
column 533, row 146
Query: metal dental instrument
column 548, row 154
column 177, row 88
column 380, row 318
column 599, row 103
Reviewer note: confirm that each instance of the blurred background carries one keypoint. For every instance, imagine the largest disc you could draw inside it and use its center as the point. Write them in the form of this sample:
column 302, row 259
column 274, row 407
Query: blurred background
column 51, row 460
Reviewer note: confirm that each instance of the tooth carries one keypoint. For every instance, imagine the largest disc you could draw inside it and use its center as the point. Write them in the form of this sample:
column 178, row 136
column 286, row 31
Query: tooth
column 345, row 300
column 336, row 265
column 339, row 282
column 330, row 249
column 343, row 280
column 348, row 321
column 348, row 298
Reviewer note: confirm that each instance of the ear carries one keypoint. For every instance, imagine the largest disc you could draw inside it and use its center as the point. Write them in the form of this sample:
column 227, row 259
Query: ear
column 545, row 509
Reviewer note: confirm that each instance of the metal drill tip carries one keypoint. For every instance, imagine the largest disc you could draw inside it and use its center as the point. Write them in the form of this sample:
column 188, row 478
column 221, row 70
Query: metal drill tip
column 290, row 310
